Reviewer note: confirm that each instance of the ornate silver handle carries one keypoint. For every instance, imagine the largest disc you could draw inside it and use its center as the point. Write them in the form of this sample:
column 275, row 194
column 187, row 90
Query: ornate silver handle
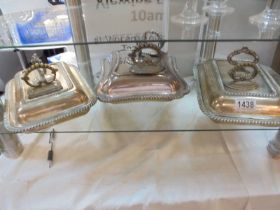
column 148, row 34
column 42, row 81
column 243, row 50
column 240, row 71
column 139, row 57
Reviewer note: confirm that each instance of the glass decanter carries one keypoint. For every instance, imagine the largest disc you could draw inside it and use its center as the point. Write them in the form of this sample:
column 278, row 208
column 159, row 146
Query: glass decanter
column 189, row 18
column 268, row 21
column 215, row 10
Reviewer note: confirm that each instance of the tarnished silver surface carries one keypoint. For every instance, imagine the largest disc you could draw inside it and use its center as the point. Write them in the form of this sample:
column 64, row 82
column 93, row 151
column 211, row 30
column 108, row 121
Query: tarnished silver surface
column 218, row 101
column 119, row 83
column 23, row 113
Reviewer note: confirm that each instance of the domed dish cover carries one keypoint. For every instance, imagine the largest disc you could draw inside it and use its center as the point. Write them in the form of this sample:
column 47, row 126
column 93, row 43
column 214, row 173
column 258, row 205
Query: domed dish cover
column 268, row 21
column 239, row 91
column 43, row 95
column 145, row 74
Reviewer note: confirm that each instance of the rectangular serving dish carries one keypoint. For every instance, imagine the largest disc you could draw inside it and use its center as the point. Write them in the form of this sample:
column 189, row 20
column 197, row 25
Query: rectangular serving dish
column 220, row 103
column 118, row 84
column 23, row 113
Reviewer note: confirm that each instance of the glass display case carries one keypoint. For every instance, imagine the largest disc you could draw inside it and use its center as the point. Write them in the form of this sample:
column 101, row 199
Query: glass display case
column 205, row 65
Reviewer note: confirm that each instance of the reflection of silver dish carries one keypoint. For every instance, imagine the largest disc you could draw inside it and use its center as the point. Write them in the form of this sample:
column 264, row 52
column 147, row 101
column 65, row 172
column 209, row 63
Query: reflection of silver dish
column 241, row 86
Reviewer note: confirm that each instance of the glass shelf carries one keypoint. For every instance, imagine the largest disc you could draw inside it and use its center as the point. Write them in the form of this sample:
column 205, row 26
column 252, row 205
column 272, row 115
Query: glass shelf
column 64, row 44
column 181, row 115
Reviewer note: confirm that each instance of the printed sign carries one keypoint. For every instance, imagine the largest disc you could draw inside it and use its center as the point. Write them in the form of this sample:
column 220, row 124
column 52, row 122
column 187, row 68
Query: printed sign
column 121, row 20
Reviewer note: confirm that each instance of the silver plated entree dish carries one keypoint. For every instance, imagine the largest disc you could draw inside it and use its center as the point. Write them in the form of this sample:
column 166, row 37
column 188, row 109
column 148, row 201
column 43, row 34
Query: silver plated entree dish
column 243, row 93
column 43, row 95
column 144, row 74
